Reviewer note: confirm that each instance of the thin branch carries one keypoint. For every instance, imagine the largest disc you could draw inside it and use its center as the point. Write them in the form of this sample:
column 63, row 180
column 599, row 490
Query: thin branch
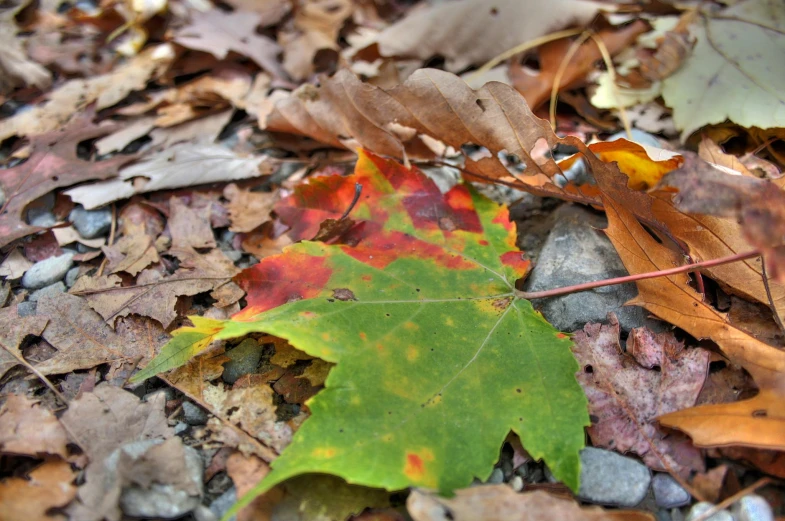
column 732, row 499
column 560, row 73
column 631, row 278
column 19, row 358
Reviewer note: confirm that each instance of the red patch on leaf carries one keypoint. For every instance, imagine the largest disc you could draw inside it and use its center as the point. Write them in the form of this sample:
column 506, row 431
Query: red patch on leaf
column 322, row 197
column 462, row 211
column 415, row 468
column 560, row 335
column 380, row 249
column 515, row 260
column 280, row 279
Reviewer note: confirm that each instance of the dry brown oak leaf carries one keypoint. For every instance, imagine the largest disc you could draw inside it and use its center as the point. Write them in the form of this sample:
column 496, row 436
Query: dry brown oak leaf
column 27, row 428
column 13, row 330
column 47, row 487
column 704, row 237
column 53, row 163
column 99, row 422
column 83, row 340
column 757, row 422
column 502, row 503
column 626, row 393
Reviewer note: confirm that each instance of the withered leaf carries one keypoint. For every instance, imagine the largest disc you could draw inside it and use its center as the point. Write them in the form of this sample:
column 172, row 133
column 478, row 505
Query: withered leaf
column 29, row 429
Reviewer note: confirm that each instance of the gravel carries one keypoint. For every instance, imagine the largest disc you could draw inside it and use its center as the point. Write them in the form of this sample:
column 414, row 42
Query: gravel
column 26, row 309
column 753, row 508
column 48, row 291
column 699, row 508
column 243, row 359
column 193, row 414
column 46, row 272
column 608, row 478
column 71, row 276
column 91, row 223
column 668, row 493
column 223, row 502
column 577, row 252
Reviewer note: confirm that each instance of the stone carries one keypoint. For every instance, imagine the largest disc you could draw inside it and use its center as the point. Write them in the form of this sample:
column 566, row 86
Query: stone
column 243, row 359
column 496, row 477
column 180, row 427
column 48, row 271
column 223, row 503
column 91, row 223
column 193, row 414
column 71, row 276
column 668, row 493
column 608, row 478
column 2, row 196
column 163, row 501
column 698, row 509
column 48, row 291
column 753, row 508
column 578, row 251
column 41, row 217
column 233, row 255
column 26, row 309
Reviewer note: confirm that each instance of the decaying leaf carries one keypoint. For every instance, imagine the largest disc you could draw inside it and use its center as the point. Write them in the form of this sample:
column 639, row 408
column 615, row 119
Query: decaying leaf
column 186, row 164
column 471, row 32
column 758, row 422
column 13, row 330
column 16, row 68
column 501, row 503
column 47, row 487
column 627, row 391
column 248, row 210
column 28, row 429
column 408, row 282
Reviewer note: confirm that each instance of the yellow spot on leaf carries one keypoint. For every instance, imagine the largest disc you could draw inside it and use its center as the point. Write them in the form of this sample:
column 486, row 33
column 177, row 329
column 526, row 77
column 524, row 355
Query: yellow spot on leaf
column 323, row 452
column 418, row 469
column 449, row 322
column 411, row 326
column 412, row 353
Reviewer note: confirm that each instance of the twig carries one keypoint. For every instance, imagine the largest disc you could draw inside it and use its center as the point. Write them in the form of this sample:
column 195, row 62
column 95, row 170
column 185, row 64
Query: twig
column 631, row 278
column 531, row 44
column 19, row 358
column 358, row 189
column 560, row 74
column 732, row 499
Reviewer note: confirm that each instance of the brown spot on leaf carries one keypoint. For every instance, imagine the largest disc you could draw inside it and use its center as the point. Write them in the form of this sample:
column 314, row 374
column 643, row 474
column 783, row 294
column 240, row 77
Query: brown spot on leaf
column 343, row 294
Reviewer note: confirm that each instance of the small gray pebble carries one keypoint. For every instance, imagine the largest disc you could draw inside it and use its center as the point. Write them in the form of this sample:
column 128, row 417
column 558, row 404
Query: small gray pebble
column 203, row 513
column 753, row 508
column 83, row 248
column 233, row 255
column 48, row 291
column 91, row 223
column 168, row 392
column 699, row 508
column 496, row 477
column 608, row 478
column 180, row 427
column 223, row 502
column 48, row 271
column 71, row 276
column 41, row 217
column 668, row 493
column 26, row 309
column 243, row 360
column 227, row 236
column 2, row 196
column 663, row 515
column 193, row 414
column 516, row 483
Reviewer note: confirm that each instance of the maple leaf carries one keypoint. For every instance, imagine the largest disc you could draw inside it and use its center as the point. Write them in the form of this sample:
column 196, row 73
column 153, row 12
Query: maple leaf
column 757, row 422
column 626, row 394
column 49, row 486
column 422, row 321
column 53, row 163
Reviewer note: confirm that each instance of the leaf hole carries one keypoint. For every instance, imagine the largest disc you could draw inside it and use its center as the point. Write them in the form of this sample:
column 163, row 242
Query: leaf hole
column 760, row 413
column 588, row 369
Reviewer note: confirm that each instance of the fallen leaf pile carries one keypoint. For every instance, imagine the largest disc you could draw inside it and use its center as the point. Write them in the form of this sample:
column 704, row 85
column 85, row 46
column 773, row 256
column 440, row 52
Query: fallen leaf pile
column 267, row 259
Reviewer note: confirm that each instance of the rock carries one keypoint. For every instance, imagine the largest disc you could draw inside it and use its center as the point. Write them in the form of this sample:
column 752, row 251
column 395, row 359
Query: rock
column 753, row 508
column 496, row 477
column 668, row 493
column 608, row 478
column 223, row 502
column 516, row 483
column 244, row 359
column 576, row 252
column 91, row 223
column 699, row 508
column 26, row 309
column 2, row 196
column 41, row 217
column 50, row 290
column 159, row 500
column 233, row 255
column 180, row 427
column 168, row 392
column 193, row 414
column 71, row 276
column 48, row 271
column 203, row 513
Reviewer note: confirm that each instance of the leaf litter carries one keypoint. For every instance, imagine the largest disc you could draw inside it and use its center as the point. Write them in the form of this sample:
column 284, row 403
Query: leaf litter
column 209, row 137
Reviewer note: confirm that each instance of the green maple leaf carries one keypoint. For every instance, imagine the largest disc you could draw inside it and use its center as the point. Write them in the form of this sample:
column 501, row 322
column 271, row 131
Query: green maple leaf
column 437, row 360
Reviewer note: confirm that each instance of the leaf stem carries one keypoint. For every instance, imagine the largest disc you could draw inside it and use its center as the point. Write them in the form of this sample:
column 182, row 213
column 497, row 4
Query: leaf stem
column 529, row 295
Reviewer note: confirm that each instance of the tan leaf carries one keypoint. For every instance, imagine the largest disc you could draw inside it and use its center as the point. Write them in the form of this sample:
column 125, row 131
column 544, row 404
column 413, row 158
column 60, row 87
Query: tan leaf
column 246, row 472
column 13, row 330
column 185, row 164
column 218, row 33
column 17, row 69
column 14, row 265
column 248, row 210
column 189, row 229
column 759, row 422
column 28, row 429
column 502, row 503
column 48, row 486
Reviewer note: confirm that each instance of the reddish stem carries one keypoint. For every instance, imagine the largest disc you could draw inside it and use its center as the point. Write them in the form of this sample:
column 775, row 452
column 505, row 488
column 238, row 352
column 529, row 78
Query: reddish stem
column 631, row 278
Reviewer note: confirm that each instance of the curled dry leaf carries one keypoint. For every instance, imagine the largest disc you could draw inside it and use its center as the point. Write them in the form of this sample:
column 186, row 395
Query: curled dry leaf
column 26, row 428
column 502, row 503
column 626, row 393
column 47, row 487
column 13, row 330
column 248, row 210
column 15, row 67
column 471, row 32
column 189, row 228
column 758, row 422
